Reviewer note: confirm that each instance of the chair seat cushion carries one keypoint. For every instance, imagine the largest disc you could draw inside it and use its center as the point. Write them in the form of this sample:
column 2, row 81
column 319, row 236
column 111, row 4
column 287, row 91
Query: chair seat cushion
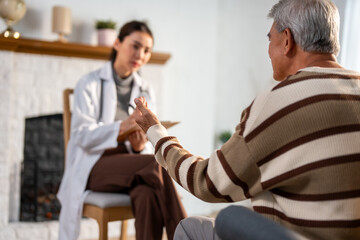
column 105, row 200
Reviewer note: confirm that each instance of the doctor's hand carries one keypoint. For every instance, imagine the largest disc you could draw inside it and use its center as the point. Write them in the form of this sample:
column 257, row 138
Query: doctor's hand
column 137, row 140
column 127, row 124
column 143, row 116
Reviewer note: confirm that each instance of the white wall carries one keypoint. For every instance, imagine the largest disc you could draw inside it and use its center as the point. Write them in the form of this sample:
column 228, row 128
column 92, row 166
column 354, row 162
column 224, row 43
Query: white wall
column 341, row 5
column 219, row 57
column 243, row 64
column 350, row 43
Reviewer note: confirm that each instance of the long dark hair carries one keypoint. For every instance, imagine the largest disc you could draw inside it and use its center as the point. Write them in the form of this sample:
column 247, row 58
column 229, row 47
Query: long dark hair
column 127, row 29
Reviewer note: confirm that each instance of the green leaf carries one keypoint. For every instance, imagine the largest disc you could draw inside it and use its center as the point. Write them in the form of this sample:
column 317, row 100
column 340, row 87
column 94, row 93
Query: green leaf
column 105, row 24
column 224, row 136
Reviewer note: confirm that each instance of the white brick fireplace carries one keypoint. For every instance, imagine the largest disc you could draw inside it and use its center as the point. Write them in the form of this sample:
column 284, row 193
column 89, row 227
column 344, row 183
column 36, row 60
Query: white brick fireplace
column 32, row 85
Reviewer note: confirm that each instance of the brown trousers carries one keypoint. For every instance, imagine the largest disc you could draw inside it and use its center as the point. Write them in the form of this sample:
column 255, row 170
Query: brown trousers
column 155, row 202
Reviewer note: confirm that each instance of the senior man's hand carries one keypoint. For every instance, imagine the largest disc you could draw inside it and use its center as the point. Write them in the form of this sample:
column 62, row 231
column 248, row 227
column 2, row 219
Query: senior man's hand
column 143, row 116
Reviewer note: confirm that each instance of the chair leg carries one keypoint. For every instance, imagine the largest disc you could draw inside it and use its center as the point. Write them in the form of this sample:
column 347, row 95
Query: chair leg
column 103, row 230
column 123, row 231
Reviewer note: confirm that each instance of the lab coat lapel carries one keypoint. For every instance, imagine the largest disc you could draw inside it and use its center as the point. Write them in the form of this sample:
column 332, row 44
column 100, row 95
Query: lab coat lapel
column 109, row 94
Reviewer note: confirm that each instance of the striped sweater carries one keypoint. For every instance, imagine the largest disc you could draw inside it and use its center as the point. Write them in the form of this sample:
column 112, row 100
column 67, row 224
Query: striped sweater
column 295, row 154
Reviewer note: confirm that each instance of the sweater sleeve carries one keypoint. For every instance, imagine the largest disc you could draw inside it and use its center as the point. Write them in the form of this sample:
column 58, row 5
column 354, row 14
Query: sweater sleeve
column 228, row 175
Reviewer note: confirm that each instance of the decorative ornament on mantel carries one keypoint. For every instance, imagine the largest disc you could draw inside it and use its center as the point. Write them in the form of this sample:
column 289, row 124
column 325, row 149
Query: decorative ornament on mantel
column 12, row 11
column 61, row 22
column 106, row 33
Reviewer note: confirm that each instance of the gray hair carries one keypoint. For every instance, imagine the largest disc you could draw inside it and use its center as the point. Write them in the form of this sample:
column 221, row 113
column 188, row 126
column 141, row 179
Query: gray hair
column 313, row 23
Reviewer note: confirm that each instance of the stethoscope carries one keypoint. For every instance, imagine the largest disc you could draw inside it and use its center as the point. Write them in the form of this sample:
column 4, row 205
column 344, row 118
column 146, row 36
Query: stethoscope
column 131, row 107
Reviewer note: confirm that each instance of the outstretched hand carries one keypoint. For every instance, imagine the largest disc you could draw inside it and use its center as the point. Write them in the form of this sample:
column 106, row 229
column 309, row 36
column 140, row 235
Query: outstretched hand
column 144, row 117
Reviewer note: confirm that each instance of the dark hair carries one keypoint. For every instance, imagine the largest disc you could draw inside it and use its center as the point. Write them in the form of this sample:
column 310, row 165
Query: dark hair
column 127, row 29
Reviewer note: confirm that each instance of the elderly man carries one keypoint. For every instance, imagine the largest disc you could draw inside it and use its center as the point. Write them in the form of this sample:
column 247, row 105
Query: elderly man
column 296, row 150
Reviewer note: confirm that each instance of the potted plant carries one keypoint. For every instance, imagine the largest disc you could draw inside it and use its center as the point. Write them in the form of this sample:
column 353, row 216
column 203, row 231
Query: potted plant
column 224, row 136
column 106, row 32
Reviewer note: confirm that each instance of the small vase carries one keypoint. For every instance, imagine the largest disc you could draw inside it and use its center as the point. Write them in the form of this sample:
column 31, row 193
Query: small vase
column 106, row 37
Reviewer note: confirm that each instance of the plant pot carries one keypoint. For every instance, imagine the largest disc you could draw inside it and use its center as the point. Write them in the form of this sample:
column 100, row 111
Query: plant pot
column 106, row 37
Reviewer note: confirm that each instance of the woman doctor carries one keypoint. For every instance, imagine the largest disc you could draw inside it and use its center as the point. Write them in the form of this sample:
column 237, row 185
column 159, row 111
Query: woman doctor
column 96, row 161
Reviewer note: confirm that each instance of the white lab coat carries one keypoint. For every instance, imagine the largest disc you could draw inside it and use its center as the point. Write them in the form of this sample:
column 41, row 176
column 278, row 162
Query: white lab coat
column 89, row 137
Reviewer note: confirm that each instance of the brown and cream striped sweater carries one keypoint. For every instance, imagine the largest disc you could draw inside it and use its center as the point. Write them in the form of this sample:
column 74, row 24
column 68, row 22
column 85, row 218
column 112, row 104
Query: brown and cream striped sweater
column 295, row 153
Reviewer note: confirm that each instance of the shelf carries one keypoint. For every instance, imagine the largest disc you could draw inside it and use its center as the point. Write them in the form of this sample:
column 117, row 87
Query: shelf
column 67, row 49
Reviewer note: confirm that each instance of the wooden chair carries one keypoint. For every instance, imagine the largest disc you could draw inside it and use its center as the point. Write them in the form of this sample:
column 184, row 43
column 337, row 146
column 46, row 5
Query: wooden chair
column 103, row 207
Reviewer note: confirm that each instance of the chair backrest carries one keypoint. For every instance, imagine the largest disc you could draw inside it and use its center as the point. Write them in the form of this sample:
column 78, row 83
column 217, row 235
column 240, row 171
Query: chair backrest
column 67, row 115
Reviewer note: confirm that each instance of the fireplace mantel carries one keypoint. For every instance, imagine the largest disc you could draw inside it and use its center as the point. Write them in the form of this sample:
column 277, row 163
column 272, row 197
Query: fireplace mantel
column 67, row 49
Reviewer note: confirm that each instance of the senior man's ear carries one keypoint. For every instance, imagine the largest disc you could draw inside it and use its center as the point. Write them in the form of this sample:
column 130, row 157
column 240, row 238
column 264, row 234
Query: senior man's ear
column 288, row 41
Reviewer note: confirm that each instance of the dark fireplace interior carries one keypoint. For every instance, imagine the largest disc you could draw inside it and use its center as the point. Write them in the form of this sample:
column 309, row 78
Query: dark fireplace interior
column 42, row 168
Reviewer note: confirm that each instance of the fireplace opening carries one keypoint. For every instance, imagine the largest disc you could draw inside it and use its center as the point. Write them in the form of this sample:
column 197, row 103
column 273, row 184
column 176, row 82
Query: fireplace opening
column 42, row 168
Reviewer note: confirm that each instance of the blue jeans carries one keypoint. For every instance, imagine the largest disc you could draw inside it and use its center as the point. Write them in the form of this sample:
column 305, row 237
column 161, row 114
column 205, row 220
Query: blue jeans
column 232, row 223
